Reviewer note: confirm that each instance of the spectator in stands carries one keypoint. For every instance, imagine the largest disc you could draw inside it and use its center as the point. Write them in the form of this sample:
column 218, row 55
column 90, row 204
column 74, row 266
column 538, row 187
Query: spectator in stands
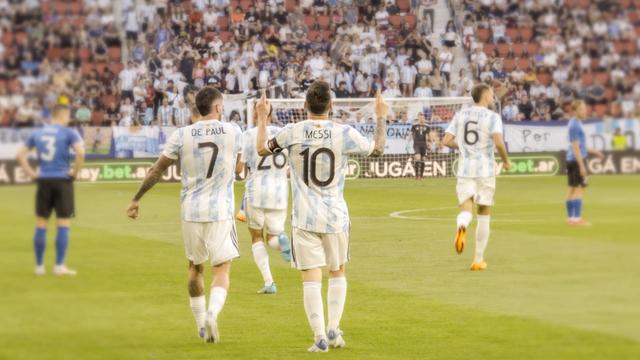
column 342, row 91
column 408, row 74
column 165, row 114
column 127, row 78
column 619, row 140
column 423, row 89
column 510, row 111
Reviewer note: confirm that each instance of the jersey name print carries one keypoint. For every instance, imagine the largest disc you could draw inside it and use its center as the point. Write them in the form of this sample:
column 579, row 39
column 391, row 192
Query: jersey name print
column 318, row 154
column 208, row 152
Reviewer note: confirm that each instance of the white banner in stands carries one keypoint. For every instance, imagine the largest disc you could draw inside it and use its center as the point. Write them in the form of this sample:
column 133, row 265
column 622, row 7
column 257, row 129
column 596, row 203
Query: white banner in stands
column 537, row 137
column 140, row 142
column 147, row 142
column 10, row 141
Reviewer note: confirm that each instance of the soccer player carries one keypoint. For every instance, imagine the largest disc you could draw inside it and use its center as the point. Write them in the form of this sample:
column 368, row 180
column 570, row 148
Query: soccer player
column 576, row 167
column 420, row 134
column 54, row 183
column 318, row 153
column 477, row 132
column 208, row 151
column 266, row 196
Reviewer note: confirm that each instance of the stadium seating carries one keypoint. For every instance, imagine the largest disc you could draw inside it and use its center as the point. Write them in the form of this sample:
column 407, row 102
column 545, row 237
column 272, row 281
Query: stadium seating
column 521, row 46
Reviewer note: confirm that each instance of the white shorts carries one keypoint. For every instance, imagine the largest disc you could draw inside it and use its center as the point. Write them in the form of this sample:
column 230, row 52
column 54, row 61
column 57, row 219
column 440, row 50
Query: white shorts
column 214, row 241
column 310, row 250
column 271, row 219
column 481, row 190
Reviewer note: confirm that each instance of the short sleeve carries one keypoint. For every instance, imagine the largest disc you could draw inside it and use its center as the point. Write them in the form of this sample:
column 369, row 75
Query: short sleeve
column 173, row 145
column 355, row 143
column 74, row 137
column 451, row 129
column 31, row 141
column 496, row 126
column 281, row 140
column 239, row 139
column 245, row 147
column 574, row 133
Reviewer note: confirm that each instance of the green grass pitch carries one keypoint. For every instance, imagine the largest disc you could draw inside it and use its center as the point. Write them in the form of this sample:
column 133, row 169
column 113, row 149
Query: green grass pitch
column 551, row 291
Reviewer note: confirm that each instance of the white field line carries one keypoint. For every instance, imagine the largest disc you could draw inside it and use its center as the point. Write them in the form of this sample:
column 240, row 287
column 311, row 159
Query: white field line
column 401, row 215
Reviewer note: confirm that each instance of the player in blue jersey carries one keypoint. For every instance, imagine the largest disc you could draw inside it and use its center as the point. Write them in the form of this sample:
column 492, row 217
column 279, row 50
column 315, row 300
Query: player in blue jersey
column 53, row 144
column 576, row 164
column 319, row 149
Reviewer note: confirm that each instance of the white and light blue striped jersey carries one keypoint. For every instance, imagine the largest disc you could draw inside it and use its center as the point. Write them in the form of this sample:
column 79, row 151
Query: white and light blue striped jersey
column 318, row 156
column 208, row 152
column 473, row 128
column 267, row 186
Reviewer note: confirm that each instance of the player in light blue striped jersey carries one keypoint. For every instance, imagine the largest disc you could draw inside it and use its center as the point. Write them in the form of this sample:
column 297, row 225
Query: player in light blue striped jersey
column 318, row 154
column 208, row 151
column 266, row 197
column 477, row 132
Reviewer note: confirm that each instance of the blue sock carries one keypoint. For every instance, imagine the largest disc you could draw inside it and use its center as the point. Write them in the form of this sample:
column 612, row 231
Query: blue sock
column 39, row 244
column 62, row 241
column 578, row 208
column 569, row 204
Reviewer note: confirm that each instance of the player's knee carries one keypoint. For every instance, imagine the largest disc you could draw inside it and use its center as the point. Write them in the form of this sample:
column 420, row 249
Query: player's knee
column 256, row 235
column 41, row 222
column 484, row 210
column 64, row 222
column 338, row 273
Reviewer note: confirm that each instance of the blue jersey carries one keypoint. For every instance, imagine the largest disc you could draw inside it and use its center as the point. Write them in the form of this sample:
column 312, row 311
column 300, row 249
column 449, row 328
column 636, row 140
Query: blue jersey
column 576, row 133
column 53, row 145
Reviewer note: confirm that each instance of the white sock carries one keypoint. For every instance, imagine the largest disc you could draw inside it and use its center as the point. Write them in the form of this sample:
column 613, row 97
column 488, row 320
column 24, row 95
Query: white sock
column 464, row 218
column 336, row 297
column 314, row 308
column 261, row 257
column 274, row 243
column 216, row 300
column 199, row 309
column 482, row 236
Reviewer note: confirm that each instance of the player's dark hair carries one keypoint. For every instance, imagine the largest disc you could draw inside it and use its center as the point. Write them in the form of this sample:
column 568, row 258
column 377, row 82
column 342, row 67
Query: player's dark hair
column 478, row 91
column 318, row 97
column 205, row 99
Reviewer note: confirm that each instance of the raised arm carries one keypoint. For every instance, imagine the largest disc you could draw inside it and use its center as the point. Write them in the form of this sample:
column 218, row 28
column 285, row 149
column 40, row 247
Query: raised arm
column 21, row 158
column 78, row 148
column 380, row 135
column 262, row 110
column 239, row 166
column 502, row 150
column 152, row 177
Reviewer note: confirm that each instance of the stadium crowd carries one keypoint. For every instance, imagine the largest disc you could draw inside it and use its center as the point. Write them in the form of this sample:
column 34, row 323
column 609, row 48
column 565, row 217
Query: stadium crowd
column 129, row 64
column 539, row 55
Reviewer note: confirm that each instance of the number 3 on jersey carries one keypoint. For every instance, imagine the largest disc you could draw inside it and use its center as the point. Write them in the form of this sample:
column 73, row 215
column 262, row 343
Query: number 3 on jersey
column 310, row 166
column 50, row 145
column 214, row 156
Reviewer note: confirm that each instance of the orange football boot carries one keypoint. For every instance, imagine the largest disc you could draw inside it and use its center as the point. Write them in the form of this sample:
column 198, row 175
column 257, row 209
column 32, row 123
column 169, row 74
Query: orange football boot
column 478, row 266
column 461, row 235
